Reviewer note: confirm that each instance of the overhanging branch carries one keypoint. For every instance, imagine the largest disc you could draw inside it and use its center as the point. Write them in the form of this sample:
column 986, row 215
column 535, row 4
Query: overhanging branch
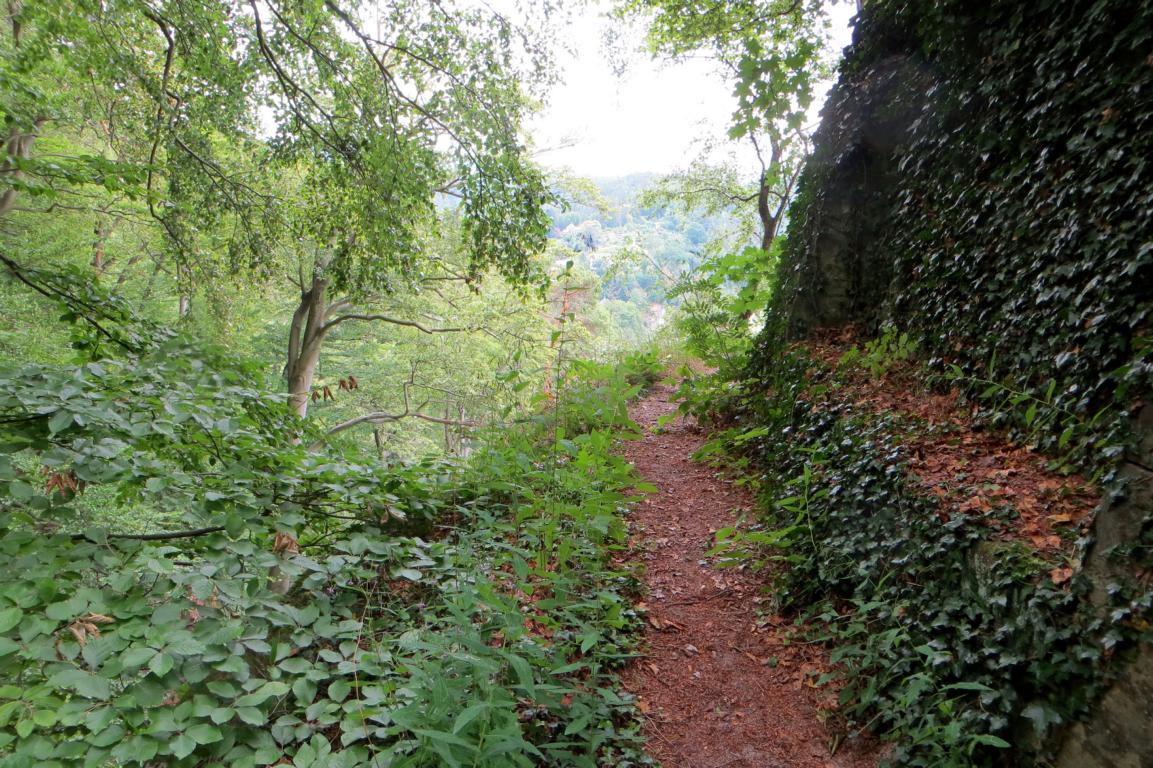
column 380, row 417
column 388, row 319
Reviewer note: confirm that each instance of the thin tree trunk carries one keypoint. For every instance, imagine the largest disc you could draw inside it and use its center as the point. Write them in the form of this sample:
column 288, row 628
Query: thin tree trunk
column 184, row 291
column 100, row 235
column 305, row 337
column 768, row 220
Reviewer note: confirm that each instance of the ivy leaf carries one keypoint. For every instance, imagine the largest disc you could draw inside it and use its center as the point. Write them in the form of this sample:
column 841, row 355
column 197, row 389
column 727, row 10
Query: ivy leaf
column 1042, row 717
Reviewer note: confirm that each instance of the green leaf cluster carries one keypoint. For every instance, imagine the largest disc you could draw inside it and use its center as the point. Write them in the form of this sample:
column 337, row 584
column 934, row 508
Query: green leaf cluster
column 319, row 609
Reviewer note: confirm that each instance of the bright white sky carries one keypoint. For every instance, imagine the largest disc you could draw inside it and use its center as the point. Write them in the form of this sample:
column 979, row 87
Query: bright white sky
column 647, row 120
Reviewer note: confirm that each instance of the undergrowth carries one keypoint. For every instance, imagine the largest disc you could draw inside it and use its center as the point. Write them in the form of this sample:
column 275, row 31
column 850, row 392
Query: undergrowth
column 312, row 610
column 954, row 645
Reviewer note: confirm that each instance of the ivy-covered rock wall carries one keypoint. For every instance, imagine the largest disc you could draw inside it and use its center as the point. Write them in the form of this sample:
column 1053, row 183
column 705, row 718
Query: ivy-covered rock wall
column 983, row 181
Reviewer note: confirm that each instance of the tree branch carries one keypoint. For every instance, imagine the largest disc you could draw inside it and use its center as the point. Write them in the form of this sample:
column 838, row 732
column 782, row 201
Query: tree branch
column 162, row 536
column 380, row 417
column 56, row 294
column 387, row 319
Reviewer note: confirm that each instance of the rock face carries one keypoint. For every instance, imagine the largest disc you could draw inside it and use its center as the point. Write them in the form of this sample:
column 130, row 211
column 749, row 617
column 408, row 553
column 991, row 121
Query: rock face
column 865, row 120
column 1119, row 734
column 981, row 180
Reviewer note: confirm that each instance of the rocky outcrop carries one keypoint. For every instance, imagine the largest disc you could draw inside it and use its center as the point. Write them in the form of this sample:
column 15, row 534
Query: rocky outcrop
column 981, row 180
column 864, row 122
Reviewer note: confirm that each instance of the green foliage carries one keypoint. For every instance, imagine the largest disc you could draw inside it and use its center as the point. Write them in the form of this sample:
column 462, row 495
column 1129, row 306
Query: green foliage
column 214, row 162
column 322, row 610
column 958, row 647
column 1036, row 416
column 247, row 134
column 717, row 305
column 882, row 353
column 1012, row 229
column 772, row 55
column 773, row 48
column 641, row 369
column 636, row 246
column 716, row 189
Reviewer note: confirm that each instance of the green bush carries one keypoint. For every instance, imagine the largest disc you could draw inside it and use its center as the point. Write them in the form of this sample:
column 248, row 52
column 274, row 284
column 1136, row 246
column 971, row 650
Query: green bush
column 316, row 609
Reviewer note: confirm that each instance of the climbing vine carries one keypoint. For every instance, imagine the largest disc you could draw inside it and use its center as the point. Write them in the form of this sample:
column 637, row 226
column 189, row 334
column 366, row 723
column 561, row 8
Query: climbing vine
column 1008, row 231
column 953, row 641
column 992, row 161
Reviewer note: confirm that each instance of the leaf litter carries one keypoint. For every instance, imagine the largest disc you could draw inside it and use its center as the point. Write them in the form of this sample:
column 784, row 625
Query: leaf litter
column 726, row 681
column 969, row 468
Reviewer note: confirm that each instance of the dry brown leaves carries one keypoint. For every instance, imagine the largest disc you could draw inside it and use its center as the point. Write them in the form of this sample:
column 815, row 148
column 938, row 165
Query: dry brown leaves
column 971, row 470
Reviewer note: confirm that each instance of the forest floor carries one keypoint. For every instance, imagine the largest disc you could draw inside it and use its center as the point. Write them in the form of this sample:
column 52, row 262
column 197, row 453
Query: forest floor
column 726, row 683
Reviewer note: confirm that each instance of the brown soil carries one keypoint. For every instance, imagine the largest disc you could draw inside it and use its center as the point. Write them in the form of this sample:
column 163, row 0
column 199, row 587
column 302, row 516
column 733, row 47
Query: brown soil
column 724, row 684
column 970, row 469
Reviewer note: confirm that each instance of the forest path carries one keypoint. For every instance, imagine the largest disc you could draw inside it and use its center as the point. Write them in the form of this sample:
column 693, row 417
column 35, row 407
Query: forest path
column 721, row 685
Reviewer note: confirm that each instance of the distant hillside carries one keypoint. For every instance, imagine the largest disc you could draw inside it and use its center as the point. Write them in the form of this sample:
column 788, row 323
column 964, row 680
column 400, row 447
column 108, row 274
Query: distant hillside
column 638, row 251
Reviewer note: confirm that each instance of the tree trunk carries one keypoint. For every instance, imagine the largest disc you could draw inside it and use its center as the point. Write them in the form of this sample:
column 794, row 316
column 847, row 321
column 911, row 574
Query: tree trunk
column 100, row 235
column 305, row 336
column 183, row 290
column 768, row 220
column 18, row 146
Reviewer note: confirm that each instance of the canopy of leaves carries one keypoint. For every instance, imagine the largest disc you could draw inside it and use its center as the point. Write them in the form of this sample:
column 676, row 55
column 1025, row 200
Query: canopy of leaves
column 248, row 129
column 772, row 51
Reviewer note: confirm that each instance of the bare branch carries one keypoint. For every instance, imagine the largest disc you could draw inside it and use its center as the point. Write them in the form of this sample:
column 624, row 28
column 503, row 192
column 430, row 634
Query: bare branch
column 380, row 417
column 162, row 536
column 387, row 319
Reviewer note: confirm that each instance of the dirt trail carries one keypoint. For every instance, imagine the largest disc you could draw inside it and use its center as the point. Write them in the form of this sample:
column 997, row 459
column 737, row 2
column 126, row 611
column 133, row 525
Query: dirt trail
column 722, row 687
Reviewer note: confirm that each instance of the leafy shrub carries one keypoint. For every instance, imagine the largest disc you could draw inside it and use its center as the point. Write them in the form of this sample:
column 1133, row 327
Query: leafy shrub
column 313, row 609
column 882, row 353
